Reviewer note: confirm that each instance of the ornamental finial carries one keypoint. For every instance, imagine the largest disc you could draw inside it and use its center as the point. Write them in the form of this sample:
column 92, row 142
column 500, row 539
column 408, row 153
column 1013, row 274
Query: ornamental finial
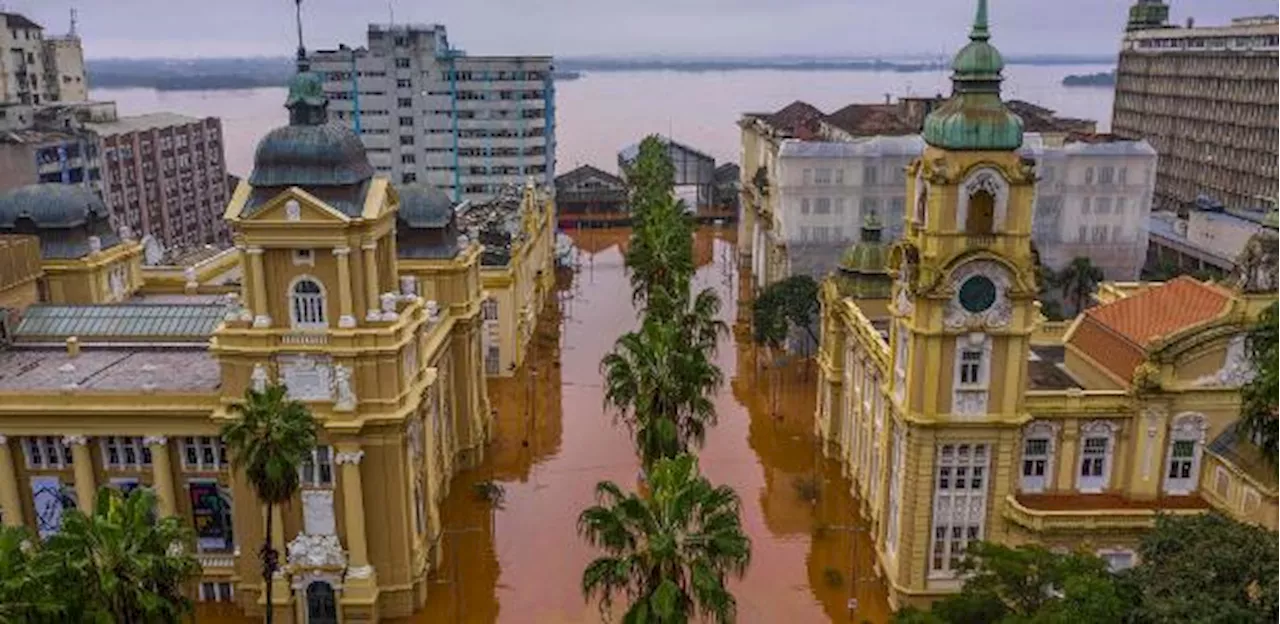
column 979, row 32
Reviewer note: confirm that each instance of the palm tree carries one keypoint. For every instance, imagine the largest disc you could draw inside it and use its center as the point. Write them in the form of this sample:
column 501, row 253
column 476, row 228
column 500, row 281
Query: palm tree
column 661, row 251
column 669, row 553
column 660, row 384
column 26, row 589
column 1078, row 281
column 121, row 563
column 269, row 441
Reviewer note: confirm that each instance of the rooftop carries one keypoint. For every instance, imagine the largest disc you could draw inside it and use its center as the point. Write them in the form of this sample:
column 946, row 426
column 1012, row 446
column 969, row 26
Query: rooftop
column 18, row 20
column 872, row 119
column 1118, row 334
column 1045, row 370
column 190, row 369
column 1234, row 447
column 155, row 323
column 140, row 123
column 911, row 145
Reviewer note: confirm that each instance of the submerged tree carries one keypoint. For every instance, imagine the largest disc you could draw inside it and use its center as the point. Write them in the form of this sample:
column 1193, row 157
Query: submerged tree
column 668, row 554
column 269, row 440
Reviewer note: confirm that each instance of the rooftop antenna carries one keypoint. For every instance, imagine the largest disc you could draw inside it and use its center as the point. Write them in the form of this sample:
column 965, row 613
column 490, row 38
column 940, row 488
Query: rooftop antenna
column 73, row 21
column 391, row 12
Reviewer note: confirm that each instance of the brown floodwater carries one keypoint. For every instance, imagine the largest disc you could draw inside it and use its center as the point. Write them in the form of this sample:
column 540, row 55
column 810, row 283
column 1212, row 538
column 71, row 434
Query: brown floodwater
column 522, row 561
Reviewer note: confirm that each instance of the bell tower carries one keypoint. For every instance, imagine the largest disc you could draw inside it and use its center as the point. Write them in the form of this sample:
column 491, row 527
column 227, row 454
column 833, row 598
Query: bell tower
column 962, row 313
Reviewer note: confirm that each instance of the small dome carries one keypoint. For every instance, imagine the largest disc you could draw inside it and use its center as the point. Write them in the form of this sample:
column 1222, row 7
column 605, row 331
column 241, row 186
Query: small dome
column 310, row 155
column 864, row 267
column 52, row 206
column 424, row 206
column 978, row 60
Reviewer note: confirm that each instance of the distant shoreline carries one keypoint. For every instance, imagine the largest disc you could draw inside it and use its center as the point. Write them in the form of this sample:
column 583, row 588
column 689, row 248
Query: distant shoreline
column 1100, row 79
column 254, row 73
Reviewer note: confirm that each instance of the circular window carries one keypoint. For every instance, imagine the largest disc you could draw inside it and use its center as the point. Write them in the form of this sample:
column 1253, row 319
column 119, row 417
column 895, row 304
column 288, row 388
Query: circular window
column 977, row 294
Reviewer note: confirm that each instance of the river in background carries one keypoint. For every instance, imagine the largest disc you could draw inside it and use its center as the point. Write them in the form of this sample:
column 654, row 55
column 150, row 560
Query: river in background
column 602, row 112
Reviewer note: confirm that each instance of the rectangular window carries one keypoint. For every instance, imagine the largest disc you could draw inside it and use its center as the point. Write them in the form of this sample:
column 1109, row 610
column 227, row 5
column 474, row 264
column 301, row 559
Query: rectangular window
column 46, row 452
column 1099, row 233
column 897, row 466
column 820, row 234
column 1115, row 233
column 868, row 176
column 406, row 121
column 822, row 205
column 403, row 83
column 1094, row 459
column 1106, row 175
column 316, row 470
column 492, row 360
column 837, row 233
column 408, row 177
column 1084, row 205
column 1120, row 201
column 1123, row 177
column 804, row 234
column 1103, row 206
column 804, row 205
column 125, row 453
column 807, row 177
column 959, row 504
column 204, row 453
column 406, row 139
column 1035, row 464
column 970, row 367
column 216, row 592
column 839, row 176
column 839, row 204
column 1088, row 176
column 402, row 63
column 1083, row 234
column 404, row 102
column 822, row 176
column 407, row 159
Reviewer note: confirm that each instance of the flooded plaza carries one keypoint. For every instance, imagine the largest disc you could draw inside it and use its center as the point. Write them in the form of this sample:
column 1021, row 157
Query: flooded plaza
column 521, row 560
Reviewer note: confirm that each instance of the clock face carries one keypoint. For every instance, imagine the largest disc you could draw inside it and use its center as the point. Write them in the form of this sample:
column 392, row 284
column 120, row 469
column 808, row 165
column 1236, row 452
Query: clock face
column 977, row 294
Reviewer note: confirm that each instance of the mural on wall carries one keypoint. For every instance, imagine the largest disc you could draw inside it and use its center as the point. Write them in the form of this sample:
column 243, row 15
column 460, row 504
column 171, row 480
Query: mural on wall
column 211, row 516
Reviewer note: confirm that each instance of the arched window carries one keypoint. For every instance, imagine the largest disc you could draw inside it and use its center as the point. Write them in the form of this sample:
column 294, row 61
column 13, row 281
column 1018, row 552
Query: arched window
column 982, row 213
column 1038, row 440
column 1097, row 446
column 307, row 303
column 984, row 199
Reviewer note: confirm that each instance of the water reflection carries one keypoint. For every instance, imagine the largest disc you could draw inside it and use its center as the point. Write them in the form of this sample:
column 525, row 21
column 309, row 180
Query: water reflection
column 523, row 562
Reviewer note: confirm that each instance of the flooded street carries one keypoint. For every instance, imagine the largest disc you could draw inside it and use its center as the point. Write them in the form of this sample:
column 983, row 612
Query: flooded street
column 523, row 561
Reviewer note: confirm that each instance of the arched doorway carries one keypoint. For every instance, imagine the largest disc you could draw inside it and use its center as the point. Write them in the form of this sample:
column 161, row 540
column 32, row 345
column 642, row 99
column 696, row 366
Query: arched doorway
column 322, row 604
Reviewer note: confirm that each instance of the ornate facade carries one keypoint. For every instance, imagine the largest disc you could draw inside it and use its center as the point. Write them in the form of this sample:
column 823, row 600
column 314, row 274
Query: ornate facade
column 360, row 296
column 961, row 415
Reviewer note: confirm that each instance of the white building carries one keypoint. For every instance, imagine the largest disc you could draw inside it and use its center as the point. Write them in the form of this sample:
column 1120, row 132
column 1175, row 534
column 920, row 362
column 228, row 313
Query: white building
column 1093, row 200
column 431, row 114
column 38, row 70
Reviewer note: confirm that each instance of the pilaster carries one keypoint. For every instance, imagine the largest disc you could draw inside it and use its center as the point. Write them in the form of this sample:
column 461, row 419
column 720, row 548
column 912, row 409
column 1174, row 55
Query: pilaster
column 261, row 317
column 161, row 473
column 371, row 280
column 1064, row 473
column 360, row 592
column 346, row 306
column 9, row 499
column 83, row 461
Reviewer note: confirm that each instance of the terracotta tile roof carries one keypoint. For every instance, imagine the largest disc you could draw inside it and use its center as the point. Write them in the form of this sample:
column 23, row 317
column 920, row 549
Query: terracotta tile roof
column 795, row 118
column 872, row 119
column 1118, row 334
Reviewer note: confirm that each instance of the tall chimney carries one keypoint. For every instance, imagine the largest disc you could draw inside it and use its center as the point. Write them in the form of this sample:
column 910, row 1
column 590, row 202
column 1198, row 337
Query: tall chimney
column 73, row 347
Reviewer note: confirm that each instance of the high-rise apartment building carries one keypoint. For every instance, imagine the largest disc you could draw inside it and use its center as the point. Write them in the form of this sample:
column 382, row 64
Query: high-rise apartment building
column 428, row 113
column 1206, row 98
column 35, row 69
column 164, row 175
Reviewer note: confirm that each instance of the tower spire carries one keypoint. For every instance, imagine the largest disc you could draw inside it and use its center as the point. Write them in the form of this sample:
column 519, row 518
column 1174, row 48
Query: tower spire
column 980, row 32
column 302, row 50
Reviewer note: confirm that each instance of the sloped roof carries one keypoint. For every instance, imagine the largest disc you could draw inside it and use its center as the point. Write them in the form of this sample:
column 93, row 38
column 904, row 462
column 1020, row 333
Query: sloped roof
column 794, row 116
column 18, row 20
column 587, row 171
column 1233, row 446
column 872, row 119
column 120, row 323
column 1117, row 335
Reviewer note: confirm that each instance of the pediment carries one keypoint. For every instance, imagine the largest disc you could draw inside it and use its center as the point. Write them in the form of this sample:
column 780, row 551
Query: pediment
column 295, row 205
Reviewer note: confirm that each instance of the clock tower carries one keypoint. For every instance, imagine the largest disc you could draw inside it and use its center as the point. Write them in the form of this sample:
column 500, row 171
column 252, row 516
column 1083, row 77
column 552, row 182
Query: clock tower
column 963, row 310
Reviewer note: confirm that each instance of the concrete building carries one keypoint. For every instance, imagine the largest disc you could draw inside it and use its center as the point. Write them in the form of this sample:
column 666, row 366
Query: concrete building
column 882, row 139
column 1092, row 200
column 164, row 176
column 35, row 69
column 357, row 293
column 961, row 415
column 1206, row 98
column 431, row 114
column 1205, row 237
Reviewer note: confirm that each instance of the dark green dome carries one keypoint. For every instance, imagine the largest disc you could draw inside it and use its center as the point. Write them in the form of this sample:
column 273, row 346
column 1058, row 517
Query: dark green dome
column 52, row 206
column 423, row 206
column 864, row 267
column 975, row 118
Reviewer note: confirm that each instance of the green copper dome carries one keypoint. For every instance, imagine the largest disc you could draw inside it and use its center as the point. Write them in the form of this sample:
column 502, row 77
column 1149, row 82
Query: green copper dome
column 864, row 272
column 307, row 103
column 975, row 118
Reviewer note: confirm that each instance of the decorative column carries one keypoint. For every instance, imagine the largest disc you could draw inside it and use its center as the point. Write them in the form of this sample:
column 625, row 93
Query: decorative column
column 347, row 317
column 259, row 304
column 83, row 461
column 360, row 593
column 371, row 280
column 9, row 500
column 1068, row 460
column 161, row 474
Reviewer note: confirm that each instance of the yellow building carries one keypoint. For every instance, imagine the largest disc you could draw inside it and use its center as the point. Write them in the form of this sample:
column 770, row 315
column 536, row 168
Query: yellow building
column 961, row 415
column 362, row 298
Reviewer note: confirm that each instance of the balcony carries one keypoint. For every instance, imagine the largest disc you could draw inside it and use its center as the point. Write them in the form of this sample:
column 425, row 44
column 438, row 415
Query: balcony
column 212, row 562
column 308, row 339
column 1071, row 512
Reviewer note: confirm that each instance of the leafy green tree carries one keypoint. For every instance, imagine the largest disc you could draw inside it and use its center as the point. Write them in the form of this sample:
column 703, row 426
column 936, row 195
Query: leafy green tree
column 1078, row 282
column 269, row 440
column 1027, row 584
column 26, row 589
column 783, row 305
column 120, row 563
column 1258, row 412
column 1207, row 568
column 660, row 255
column 668, row 554
column 650, row 177
column 661, row 387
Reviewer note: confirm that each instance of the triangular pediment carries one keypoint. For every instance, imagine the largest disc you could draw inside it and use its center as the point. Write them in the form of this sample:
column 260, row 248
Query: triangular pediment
column 295, row 205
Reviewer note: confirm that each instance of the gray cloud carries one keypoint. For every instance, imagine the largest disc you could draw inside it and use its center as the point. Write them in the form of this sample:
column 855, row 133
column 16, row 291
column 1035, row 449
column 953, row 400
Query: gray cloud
column 185, row 28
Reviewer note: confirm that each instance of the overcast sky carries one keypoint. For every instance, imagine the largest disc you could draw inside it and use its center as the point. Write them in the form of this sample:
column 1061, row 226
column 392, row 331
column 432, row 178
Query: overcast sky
column 187, row 28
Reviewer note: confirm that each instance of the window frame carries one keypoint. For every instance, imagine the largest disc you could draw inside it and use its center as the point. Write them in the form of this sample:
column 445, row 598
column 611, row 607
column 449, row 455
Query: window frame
column 1188, row 428
column 199, row 444
column 1096, row 429
column 950, row 502
column 1037, row 431
column 295, row 311
column 320, row 461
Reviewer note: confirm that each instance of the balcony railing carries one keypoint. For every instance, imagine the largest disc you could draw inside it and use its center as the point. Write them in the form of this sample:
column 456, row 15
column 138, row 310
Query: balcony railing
column 216, row 560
